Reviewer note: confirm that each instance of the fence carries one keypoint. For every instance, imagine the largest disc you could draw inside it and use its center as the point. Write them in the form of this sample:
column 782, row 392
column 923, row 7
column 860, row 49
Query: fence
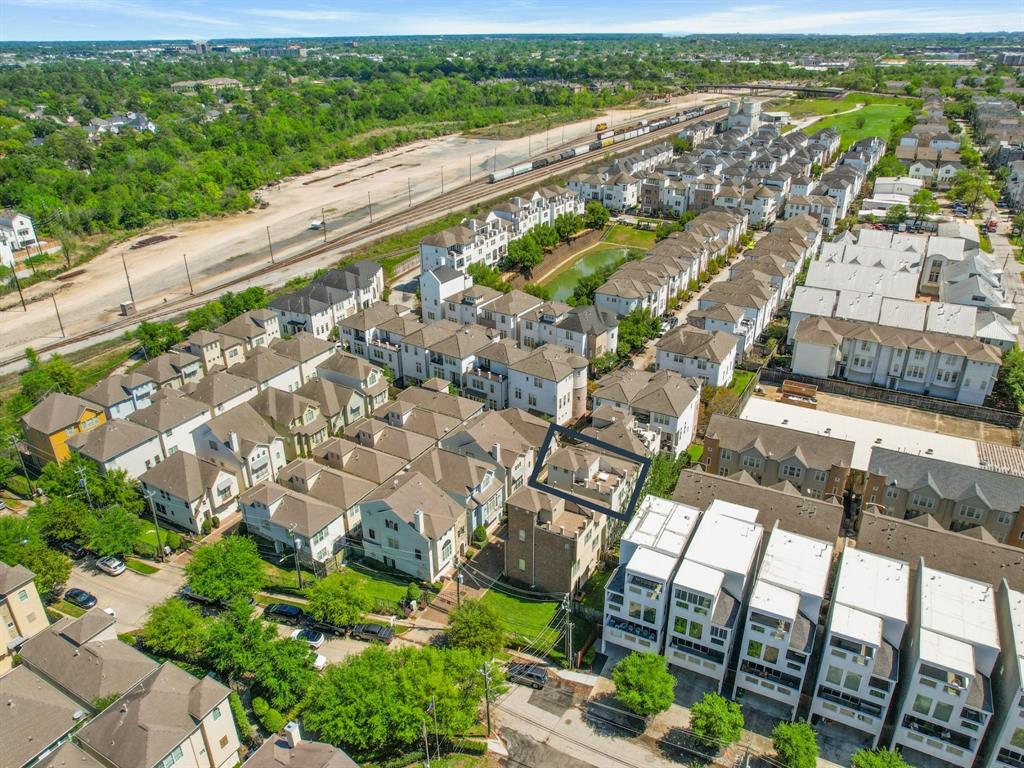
column 995, row 416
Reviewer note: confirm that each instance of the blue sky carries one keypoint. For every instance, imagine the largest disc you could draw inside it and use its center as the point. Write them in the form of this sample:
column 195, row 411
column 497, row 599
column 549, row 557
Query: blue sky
column 169, row 19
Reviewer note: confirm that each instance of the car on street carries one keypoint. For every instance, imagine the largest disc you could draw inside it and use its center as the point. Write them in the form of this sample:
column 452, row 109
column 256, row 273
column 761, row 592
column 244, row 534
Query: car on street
column 326, row 628
column 376, row 633
column 80, row 598
column 111, row 565
column 310, row 636
column 532, row 675
column 72, row 550
column 190, row 594
column 284, row 613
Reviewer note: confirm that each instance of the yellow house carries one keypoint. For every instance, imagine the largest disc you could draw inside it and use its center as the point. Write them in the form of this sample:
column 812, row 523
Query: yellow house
column 57, row 418
column 21, row 611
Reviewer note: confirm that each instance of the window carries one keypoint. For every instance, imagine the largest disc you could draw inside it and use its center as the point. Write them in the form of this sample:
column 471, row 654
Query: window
column 23, row 595
column 943, row 711
column 522, row 534
column 393, row 543
column 754, row 649
column 216, row 713
column 927, row 502
column 752, row 462
column 834, row 676
column 725, row 454
column 391, row 524
column 171, row 759
column 446, row 550
column 771, row 654
column 419, row 554
column 971, row 513
column 223, row 741
column 852, row 682
column 532, row 400
column 790, row 470
column 373, row 533
column 522, row 564
column 922, row 704
column 820, row 476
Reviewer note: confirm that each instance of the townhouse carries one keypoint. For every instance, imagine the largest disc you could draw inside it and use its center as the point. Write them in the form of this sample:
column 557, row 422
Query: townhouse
column 436, row 285
column 394, row 441
column 320, row 306
column 957, row 496
column 1005, row 744
column 269, row 370
column 706, row 355
column 38, row 718
column 339, row 405
column 553, row 545
column 295, row 417
column 599, row 477
column 663, row 404
column 868, row 616
column 189, row 492
column 946, row 703
column 172, row 369
column 222, row 391
column 174, row 416
column 119, row 445
column 353, row 372
column 56, row 419
column 782, row 619
column 816, row 465
column 638, row 593
column 550, row 381
column 501, row 437
column 255, row 328
column 241, row 442
column 333, row 487
column 471, row 242
column 306, row 350
column 21, row 611
column 487, row 381
column 214, row 350
column 476, row 486
column 505, row 313
column 585, row 330
column 357, row 460
column 121, row 394
column 294, row 522
column 710, row 590
column 928, row 363
column 411, row 525
column 416, row 365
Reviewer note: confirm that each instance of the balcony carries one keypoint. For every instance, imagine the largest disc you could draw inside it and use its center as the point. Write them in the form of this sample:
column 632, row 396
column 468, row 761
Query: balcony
column 632, row 628
column 932, row 731
column 772, row 675
column 849, row 702
column 701, row 651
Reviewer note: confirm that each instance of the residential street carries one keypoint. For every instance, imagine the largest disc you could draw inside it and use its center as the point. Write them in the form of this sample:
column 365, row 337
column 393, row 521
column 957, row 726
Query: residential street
column 131, row 594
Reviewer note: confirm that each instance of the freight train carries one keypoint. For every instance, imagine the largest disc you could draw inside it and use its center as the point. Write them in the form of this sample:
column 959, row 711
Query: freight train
column 606, row 137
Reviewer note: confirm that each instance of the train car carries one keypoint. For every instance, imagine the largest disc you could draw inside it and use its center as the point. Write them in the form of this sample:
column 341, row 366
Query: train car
column 606, row 135
column 540, row 163
column 567, row 154
column 504, row 173
column 521, row 168
column 582, row 149
column 595, row 146
column 643, row 123
column 606, row 143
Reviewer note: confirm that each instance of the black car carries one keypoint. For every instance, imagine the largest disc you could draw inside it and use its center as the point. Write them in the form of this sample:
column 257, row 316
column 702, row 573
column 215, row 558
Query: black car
column 190, row 594
column 532, row 675
column 72, row 550
column 326, row 628
column 285, row 613
column 377, row 633
column 80, row 597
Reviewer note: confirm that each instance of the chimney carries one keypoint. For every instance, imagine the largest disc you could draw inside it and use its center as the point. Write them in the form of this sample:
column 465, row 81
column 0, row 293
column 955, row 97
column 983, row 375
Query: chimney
column 417, row 520
column 233, row 442
column 496, row 452
column 292, row 734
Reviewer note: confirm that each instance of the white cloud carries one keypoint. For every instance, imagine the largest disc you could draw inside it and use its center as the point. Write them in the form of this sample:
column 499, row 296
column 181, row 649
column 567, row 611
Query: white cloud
column 132, row 10
column 312, row 14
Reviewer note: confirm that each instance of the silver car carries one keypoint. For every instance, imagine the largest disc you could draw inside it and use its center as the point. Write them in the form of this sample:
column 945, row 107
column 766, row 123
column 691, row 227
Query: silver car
column 110, row 564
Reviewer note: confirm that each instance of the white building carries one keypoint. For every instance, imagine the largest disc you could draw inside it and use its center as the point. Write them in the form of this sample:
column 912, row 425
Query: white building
column 471, row 242
column 638, row 592
column 1006, row 740
column 859, row 669
column 240, row 441
column 782, row 617
column 710, row 590
column 119, row 445
column 293, row 521
column 175, row 417
column 706, row 355
column 16, row 229
column 121, row 394
column 551, row 382
column 188, row 492
column 954, row 645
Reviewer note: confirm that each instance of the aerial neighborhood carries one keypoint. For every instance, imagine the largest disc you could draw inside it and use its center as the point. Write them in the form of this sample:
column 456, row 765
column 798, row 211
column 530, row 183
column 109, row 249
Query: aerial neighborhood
column 693, row 436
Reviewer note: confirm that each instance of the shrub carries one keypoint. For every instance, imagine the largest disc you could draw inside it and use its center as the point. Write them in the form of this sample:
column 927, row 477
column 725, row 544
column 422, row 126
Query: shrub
column 413, row 592
column 796, row 745
column 469, row 747
column 644, row 684
column 272, row 721
column 172, row 539
column 259, row 706
column 216, row 521
column 480, row 535
column 716, row 721
column 206, row 527
column 18, row 485
column 241, row 718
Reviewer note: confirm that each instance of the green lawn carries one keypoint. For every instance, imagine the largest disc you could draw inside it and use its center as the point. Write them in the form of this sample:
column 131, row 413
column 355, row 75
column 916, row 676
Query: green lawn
column 879, row 120
column 739, row 381
column 695, row 451
column 71, row 610
column 800, row 108
column 381, row 586
column 635, row 238
column 593, row 590
column 523, row 616
column 140, row 567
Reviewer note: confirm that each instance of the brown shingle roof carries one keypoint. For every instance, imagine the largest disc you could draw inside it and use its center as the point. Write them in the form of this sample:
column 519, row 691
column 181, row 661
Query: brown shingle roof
column 56, row 412
column 715, row 346
column 813, row 450
column 35, row 714
column 110, row 440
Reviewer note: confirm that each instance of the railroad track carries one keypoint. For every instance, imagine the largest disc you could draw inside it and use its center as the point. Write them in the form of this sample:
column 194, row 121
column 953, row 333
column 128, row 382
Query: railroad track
column 461, row 197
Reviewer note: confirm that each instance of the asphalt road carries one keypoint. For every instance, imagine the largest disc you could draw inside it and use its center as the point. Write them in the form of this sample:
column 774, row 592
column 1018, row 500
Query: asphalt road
column 130, row 595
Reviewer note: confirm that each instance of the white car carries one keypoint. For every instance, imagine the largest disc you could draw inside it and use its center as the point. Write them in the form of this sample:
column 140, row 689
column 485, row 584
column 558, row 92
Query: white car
column 112, row 565
column 312, row 637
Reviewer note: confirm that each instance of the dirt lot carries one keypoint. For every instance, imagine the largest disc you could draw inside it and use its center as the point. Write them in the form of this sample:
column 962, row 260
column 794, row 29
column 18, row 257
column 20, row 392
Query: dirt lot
column 233, row 245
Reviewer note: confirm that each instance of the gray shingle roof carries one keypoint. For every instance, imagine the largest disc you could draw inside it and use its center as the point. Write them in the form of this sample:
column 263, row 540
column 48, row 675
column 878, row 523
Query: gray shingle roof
column 35, row 714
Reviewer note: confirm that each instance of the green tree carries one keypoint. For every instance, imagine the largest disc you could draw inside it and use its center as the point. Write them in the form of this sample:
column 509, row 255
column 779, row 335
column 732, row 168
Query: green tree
column 796, row 745
column 1010, row 379
column 643, row 683
column 567, row 225
column 78, row 478
column 156, row 338
column 228, row 569
column 340, row 599
column 285, row 672
column 113, row 531
column 21, row 544
column 524, row 254
column 545, row 235
column 717, row 721
column 889, row 165
column 896, row 215
column 604, row 363
column 476, row 626
column 635, row 330
column 877, row 758
column 663, row 474
column 175, row 628
column 923, row 204
column 61, row 518
column 972, row 187
column 237, row 642
column 542, row 292
column 489, row 276
column 595, row 215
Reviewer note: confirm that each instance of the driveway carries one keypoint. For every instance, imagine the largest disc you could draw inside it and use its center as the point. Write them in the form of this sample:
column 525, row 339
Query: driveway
column 131, row 595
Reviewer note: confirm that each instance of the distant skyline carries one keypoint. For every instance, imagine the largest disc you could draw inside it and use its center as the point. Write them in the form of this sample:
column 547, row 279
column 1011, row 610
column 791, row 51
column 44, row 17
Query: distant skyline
column 52, row 20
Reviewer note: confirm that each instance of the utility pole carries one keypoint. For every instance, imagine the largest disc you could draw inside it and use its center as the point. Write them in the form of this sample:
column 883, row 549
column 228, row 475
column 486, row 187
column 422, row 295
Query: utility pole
column 191, row 290
column 494, row 162
column 298, row 568
column 323, row 221
column 471, row 168
column 124, row 263
column 426, row 744
column 568, row 639
column 458, row 587
column 80, row 471
column 61, row 324
column 487, row 693
column 442, row 179
column 17, row 284
column 369, row 202
column 408, row 181
column 152, row 511
column 437, row 737
column 270, row 245
column 24, row 469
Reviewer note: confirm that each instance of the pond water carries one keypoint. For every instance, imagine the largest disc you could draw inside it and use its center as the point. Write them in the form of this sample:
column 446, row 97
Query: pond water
column 563, row 283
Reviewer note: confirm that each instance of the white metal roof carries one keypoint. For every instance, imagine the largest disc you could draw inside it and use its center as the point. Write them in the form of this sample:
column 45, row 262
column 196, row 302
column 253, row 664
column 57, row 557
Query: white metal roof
column 654, row 565
column 864, row 433
column 724, row 541
column 775, row 600
column 960, row 608
column 856, row 625
column 947, row 652
column 955, row 319
column 814, row 301
column 903, row 313
column 854, row 277
column 854, row 305
column 661, row 525
column 700, row 578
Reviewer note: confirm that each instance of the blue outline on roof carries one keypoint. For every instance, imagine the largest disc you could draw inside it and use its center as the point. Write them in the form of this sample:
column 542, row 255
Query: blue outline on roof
column 643, row 461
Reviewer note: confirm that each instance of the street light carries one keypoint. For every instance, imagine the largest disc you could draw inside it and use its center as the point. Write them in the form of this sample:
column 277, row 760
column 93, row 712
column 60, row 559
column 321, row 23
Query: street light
column 298, row 548
column 152, row 509
column 458, row 588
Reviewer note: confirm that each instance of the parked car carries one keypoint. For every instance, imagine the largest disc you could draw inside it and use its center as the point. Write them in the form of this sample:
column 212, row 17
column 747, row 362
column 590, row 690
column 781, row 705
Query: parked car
column 532, row 675
column 111, row 565
column 285, row 613
column 190, row 594
column 72, row 550
column 326, row 628
column 312, row 637
column 80, row 598
column 373, row 633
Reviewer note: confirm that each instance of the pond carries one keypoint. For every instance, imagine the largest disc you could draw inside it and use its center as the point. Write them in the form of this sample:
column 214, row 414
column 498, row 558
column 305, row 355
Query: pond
column 563, row 283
